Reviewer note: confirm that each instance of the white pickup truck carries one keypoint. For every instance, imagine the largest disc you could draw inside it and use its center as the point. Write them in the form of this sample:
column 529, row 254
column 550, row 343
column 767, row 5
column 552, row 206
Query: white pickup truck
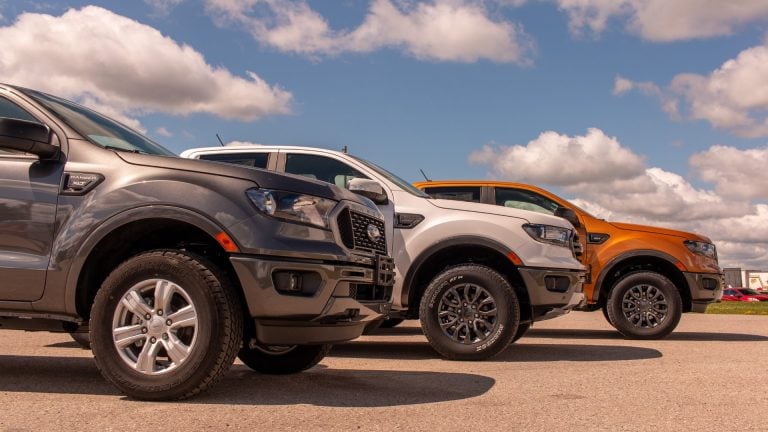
column 476, row 275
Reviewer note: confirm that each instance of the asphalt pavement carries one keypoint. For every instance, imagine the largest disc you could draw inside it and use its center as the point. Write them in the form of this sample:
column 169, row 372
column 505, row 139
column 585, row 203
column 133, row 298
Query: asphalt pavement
column 571, row 373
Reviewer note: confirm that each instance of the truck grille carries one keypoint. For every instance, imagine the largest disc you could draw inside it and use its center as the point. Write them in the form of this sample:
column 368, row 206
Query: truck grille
column 368, row 292
column 354, row 227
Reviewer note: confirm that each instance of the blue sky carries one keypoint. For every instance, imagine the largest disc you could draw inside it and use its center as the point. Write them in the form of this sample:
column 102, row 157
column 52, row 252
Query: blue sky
column 472, row 102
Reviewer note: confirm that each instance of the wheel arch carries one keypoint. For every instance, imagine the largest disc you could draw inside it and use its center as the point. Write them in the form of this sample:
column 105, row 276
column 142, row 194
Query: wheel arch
column 637, row 260
column 460, row 250
column 134, row 231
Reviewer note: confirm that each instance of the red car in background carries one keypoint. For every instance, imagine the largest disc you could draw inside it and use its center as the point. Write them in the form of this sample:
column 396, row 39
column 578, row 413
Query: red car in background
column 743, row 295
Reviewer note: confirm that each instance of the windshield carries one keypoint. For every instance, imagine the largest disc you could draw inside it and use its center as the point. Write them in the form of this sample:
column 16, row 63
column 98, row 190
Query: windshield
column 749, row 291
column 404, row 185
column 98, row 129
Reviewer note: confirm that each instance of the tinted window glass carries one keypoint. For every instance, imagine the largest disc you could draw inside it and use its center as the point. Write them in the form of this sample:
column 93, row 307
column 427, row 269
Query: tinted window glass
column 458, row 193
column 321, row 168
column 9, row 109
column 525, row 200
column 256, row 160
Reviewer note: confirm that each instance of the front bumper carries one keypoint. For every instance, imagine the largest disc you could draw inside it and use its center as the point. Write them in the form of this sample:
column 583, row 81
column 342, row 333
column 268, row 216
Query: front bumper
column 335, row 305
column 553, row 292
column 705, row 288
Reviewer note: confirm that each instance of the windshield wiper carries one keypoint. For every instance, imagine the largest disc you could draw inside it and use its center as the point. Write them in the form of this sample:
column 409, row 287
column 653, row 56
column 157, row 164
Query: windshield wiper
column 109, row 147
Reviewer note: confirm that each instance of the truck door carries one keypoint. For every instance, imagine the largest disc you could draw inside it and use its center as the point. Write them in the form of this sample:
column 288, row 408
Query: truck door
column 29, row 189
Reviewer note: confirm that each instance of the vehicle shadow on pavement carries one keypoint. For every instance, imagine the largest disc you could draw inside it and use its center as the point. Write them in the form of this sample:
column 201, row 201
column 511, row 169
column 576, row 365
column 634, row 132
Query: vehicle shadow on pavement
column 518, row 352
column 321, row 386
column 613, row 334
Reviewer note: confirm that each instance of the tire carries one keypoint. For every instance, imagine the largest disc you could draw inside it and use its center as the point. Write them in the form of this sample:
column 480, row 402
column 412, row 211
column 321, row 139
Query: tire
column 459, row 298
column 82, row 339
column 392, row 322
column 282, row 360
column 158, row 360
column 521, row 330
column 644, row 305
column 605, row 314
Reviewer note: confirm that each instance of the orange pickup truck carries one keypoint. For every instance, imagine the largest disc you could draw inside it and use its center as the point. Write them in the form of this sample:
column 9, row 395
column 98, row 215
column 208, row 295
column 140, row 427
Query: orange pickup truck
column 642, row 277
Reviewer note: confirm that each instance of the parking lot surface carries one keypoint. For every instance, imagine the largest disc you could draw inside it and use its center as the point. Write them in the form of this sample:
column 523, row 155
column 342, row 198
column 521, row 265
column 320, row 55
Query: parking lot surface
column 571, row 373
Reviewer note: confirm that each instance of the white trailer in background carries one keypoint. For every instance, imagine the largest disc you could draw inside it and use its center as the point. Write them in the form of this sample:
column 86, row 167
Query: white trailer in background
column 755, row 279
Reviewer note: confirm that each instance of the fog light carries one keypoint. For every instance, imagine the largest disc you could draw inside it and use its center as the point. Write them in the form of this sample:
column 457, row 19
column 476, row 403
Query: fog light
column 297, row 282
column 288, row 282
column 709, row 284
column 557, row 283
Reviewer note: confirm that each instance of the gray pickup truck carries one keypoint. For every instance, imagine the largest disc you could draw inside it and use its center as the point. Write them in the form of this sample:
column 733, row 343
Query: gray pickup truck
column 172, row 266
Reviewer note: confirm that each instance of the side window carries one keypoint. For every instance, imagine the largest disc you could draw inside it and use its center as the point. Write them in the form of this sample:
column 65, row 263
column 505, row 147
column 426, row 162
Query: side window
column 458, row 193
column 9, row 109
column 525, row 200
column 256, row 160
column 321, row 168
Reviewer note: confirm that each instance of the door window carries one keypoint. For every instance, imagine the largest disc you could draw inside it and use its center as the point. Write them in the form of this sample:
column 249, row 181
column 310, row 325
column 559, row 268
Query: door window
column 456, row 193
column 525, row 200
column 9, row 109
column 321, row 168
column 256, row 160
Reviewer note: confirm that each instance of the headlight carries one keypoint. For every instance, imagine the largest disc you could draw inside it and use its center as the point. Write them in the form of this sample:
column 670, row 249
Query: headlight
column 294, row 207
column 701, row 248
column 752, row 299
column 549, row 234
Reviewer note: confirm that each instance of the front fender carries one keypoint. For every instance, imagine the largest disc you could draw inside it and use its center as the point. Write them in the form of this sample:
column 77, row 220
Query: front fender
column 123, row 218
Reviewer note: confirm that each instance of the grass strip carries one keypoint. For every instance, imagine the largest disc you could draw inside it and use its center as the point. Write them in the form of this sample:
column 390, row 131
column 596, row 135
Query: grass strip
column 738, row 308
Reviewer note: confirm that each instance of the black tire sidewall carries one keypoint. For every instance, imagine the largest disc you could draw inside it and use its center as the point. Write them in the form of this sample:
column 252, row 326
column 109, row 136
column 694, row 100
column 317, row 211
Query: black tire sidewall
column 185, row 377
column 507, row 306
column 522, row 329
column 300, row 358
column 671, row 295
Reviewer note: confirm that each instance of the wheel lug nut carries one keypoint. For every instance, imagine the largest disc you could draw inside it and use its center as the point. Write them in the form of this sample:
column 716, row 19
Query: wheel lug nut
column 152, row 340
column 168, row 322
column 148, row 316
column 476, row 315
column 144, row 330
column 165, row 336
column 160, row 312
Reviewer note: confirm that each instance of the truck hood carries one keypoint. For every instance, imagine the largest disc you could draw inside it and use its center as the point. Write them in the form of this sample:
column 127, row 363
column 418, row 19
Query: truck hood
column 662, row 231
column 262, row 178
column 526, row 215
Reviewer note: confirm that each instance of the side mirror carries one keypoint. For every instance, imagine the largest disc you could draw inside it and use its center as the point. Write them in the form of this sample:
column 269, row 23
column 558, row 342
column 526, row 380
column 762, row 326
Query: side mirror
column 568, row 215
column 27, row 136
column 370, row 189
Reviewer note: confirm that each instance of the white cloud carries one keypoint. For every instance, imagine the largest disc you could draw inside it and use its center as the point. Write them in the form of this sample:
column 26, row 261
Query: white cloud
column 665, row 20
column 591, row 14
column 736, row 173
column 613, row 182
column 668, row 103
column 162, row 131
column 162, row 7
column 116, row 64
column 438, row 30
column 733, row 97
column 563, row 160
